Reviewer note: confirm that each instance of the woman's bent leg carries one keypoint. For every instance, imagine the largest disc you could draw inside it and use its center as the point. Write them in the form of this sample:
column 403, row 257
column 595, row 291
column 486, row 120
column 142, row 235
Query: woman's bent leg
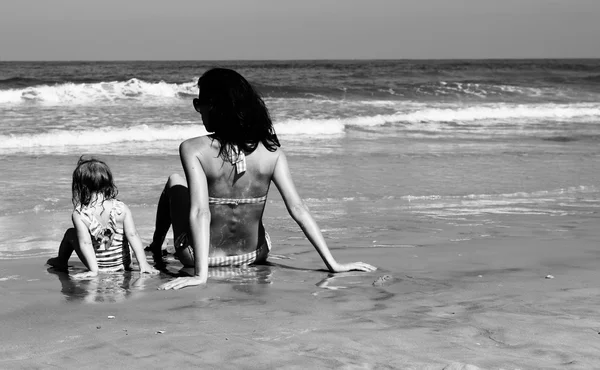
column 173, row 210
column 179, row 204
column 179, row 196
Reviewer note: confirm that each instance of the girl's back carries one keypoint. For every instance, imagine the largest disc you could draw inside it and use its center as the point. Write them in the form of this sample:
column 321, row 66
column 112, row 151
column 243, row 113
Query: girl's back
column 105, row 222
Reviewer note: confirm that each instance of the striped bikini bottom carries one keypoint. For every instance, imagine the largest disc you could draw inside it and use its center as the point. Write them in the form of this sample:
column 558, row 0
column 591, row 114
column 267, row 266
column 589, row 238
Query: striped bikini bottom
column 185, row 253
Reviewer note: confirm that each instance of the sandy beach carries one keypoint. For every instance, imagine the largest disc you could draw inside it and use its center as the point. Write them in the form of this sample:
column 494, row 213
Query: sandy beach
column 523, row 300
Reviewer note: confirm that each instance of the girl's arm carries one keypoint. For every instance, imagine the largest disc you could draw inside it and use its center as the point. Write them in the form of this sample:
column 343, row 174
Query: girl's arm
column 88, row 256
column 300, row 213
column 136, row 243
column 199, row 216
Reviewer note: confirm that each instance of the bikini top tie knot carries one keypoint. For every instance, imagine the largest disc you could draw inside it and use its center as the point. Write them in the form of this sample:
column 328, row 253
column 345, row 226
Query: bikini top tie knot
column 238, row 158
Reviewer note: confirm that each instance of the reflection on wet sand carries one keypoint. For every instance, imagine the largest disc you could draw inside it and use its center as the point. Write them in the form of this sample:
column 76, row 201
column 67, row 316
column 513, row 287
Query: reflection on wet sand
column 118, row 286
column 105, row 288
column 246, row 274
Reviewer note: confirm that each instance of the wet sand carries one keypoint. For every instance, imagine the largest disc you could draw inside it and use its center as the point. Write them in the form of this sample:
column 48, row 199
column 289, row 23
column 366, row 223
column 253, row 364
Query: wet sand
column 521, row 301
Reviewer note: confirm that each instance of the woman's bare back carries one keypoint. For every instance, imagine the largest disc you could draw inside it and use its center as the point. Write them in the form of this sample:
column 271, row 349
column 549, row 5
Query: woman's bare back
column 235, row 228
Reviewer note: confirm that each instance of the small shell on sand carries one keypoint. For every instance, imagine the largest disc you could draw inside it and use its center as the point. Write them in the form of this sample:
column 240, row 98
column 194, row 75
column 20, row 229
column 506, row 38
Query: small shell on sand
column 382, row 280
column 549, row 276
column 160, row 332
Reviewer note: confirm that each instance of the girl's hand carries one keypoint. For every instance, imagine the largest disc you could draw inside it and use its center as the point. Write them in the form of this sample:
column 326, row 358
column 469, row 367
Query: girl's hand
column 85, row 275
column 182, row 282
column 147, row 269
column 353, row 266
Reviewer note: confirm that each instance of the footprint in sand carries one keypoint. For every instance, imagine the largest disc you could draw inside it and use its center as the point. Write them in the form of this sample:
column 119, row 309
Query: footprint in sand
column 382, row 280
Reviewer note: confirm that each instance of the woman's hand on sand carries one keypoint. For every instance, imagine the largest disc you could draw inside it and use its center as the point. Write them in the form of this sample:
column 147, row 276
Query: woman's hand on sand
column 182, row 282
column 353, row 266
column 147, row 269
column 85, row 275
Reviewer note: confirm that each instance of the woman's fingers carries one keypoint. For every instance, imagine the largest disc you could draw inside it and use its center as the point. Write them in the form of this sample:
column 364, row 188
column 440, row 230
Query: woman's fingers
column 169, row 285
column 166, row 286
column 355, row 266
column 361, row 266
column 179, row 284
column 368, row 267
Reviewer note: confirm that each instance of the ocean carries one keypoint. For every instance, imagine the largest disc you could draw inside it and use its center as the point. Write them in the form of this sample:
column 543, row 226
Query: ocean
column 386, row 153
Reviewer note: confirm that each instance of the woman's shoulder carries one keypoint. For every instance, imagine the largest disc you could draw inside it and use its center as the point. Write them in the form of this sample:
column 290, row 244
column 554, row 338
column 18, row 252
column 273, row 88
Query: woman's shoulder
column 198, row 144
column 261, row 153
column 275, row 154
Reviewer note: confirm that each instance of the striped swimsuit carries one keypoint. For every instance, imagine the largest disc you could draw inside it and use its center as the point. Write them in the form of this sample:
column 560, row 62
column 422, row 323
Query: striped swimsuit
column 183, row 241
column 110, row 245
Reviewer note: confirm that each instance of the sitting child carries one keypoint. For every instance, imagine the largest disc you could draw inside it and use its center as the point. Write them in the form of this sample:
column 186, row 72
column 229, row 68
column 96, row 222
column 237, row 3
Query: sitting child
column 104, row 226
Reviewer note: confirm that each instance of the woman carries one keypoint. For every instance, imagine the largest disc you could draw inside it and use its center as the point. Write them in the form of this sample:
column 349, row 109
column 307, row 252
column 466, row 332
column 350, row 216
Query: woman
column 217, row 213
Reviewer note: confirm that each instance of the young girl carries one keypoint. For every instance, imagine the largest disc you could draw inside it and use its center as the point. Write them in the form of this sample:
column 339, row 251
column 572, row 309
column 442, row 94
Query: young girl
column 104, row 226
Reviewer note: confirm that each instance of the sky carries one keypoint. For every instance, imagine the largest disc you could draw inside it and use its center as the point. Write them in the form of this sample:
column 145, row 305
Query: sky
column 298, row 29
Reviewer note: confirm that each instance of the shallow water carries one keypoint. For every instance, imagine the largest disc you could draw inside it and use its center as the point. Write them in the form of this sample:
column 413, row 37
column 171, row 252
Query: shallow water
column 373, row 146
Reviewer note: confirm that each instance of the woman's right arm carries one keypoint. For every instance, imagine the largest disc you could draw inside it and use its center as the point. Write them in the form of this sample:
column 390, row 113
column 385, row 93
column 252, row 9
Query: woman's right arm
column 300, row 213
column 199, row 216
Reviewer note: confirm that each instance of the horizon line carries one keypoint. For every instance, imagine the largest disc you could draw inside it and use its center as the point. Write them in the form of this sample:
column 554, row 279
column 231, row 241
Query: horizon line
column 302, row 59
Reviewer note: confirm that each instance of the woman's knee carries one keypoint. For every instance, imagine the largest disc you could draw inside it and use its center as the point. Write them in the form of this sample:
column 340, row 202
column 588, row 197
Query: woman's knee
column 70, row 234
column 176, row 179
column 178, row 193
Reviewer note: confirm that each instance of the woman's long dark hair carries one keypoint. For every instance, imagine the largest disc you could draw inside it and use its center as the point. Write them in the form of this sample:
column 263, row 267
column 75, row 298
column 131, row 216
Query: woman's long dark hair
column 91, row 176
column 237, row 113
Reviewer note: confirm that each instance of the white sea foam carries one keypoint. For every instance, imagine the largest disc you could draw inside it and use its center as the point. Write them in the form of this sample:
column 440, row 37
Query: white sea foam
column 70, row 93
column 543, row 202
column 553, row 202
column 570, row 191
column 430, row 200
column 407, row 111
column 140, row 133
column 306, row 117
column 500, row 112
column 311, row 127
column 99, row 136
column 429, row 118
column 432, row 120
